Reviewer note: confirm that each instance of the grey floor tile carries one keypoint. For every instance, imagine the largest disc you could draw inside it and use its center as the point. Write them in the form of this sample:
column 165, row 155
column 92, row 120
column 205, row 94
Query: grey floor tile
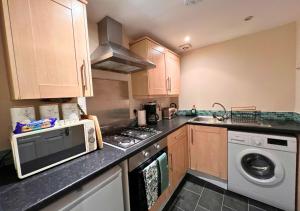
column 199, row 208
column 253, row 208
column 193, row 187
column 174, row 208
column 235, row 201
column 211, row 200
column 187, row 200
column 224, row 208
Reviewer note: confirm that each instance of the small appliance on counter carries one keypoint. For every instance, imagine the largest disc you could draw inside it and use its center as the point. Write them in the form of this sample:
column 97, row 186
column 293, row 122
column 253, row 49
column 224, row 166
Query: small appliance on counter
column 170, row 112
column 151, row 115
column 141, row 116
column 39, row 150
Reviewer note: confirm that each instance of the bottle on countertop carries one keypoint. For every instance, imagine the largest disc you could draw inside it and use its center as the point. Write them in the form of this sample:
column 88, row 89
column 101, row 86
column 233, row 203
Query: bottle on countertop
column 194, row 111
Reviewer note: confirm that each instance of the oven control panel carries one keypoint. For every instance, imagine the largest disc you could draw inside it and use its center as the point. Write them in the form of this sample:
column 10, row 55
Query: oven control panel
column 146, row 154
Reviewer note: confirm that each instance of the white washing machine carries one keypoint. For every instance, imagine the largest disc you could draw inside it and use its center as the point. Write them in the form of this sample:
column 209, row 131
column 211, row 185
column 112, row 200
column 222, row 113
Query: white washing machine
column 263, row 167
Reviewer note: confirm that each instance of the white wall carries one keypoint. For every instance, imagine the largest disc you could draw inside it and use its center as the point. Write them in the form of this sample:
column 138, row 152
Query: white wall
column 257, row 69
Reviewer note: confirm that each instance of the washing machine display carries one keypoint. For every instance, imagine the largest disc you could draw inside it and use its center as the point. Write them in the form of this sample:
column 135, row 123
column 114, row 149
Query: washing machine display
column 263, row 167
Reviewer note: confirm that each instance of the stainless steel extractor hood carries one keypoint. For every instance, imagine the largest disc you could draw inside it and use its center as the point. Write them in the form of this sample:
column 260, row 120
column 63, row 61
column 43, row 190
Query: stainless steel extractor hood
column 111, row 55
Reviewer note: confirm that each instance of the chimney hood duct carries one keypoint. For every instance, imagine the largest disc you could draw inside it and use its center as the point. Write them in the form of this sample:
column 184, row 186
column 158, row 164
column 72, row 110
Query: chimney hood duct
column 111, row 55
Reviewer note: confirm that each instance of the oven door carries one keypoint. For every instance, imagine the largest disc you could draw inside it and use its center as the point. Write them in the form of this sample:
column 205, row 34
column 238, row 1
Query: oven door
column 260, row 167
column 138, row 198
column 43, row 150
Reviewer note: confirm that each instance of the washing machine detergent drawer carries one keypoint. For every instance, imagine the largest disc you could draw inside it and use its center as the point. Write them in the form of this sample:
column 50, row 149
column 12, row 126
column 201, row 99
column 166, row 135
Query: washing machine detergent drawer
column 266, row 175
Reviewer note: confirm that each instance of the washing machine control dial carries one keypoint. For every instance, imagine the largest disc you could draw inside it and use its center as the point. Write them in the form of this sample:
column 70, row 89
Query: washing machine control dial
column 258, row 143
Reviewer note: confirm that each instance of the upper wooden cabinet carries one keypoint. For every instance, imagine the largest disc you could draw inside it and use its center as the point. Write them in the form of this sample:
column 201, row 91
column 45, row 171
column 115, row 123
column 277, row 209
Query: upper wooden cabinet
column 208, row 150
column 172, row 73
column 161, row 81
column 47, row 48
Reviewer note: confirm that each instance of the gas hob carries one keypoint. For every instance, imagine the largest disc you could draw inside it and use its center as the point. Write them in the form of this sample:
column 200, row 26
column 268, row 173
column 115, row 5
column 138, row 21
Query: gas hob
column 128, row 137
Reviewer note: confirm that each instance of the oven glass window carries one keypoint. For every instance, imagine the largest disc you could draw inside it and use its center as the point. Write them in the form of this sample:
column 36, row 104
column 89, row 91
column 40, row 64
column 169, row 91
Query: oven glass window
column 258, row 166
column 43, row 149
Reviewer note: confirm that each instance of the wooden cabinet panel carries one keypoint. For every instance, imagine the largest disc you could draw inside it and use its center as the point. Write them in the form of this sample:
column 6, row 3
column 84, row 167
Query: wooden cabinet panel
column 161, row 81
column 47, row 44
column 157, row 76
column 178, row 157
column 173, row 73
column 82, row 47
column 208, row 150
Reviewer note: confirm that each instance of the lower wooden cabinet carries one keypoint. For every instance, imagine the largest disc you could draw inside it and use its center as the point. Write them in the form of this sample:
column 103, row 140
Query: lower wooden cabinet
column 208, row 150
column 178, row 157
column 178, row 164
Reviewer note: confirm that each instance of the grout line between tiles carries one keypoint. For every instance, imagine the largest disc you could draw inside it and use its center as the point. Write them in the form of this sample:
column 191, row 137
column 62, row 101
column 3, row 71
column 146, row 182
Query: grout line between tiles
column 199, row 198
column 228, row 207
column 179, row 208
column 222, row 202
column 191, row 191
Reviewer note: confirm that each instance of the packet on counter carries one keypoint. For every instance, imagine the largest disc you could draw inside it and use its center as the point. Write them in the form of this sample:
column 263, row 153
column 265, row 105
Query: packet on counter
column 34, row 125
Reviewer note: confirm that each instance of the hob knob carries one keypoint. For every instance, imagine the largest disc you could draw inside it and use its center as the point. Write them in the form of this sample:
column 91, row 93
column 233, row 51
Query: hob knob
column 146, row 154
column 157, row 146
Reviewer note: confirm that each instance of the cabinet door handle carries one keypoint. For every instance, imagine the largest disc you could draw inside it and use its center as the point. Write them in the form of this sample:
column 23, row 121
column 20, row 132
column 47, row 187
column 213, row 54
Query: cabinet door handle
column 83, row 73
column 170, row 84
column 171, row 162
column 192, row 136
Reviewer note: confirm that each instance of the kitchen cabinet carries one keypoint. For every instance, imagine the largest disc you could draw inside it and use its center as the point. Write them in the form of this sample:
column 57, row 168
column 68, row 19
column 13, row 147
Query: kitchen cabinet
column 172, row 73
column 208, row 150
column 177, row 156
column 161, row 81
column 104, row 192
column 47, row 48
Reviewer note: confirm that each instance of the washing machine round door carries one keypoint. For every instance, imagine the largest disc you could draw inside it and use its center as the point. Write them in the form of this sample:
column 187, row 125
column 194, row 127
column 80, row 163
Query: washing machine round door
column 260, row 167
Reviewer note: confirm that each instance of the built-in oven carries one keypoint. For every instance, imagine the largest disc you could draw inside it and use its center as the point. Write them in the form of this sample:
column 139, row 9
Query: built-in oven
column 139, row 196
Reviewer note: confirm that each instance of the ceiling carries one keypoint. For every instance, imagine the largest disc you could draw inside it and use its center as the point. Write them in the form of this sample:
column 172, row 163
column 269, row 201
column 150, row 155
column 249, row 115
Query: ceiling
column 208, row 22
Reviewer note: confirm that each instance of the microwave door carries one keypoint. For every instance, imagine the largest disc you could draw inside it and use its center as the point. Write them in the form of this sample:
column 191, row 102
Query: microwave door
column 41, row 151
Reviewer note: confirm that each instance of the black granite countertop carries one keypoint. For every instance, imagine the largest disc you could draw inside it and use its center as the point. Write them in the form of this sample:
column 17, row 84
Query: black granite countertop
column 38, row 190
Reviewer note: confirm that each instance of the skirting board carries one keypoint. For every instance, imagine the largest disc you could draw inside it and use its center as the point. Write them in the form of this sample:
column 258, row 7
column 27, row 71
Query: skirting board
column 214, row 180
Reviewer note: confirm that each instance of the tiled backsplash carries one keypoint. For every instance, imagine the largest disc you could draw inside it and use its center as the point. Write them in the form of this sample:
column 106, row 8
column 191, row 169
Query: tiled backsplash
column 282, row 116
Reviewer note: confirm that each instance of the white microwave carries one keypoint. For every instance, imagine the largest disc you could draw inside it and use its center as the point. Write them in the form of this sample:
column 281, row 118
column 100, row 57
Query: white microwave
column 39, row 150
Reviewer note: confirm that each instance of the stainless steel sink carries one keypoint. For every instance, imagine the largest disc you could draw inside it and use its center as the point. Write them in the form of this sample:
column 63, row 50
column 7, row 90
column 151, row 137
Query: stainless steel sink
column 214, row 121
column 206, row 119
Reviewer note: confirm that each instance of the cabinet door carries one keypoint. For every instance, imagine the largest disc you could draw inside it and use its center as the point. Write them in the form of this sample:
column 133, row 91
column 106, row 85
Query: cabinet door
column 42, row 35
column 157, row 76
column 82, row 47
column 173, row 73
column 177, row 149
column 208, row 150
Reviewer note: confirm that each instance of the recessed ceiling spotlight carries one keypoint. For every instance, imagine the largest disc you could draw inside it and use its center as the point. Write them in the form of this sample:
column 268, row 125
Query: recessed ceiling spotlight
column 187, row 39
column 248, row 18
column 191, row 2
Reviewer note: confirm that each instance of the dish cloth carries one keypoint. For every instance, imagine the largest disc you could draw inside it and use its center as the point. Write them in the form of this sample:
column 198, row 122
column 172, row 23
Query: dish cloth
column 164, row 171
column 150, row 174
